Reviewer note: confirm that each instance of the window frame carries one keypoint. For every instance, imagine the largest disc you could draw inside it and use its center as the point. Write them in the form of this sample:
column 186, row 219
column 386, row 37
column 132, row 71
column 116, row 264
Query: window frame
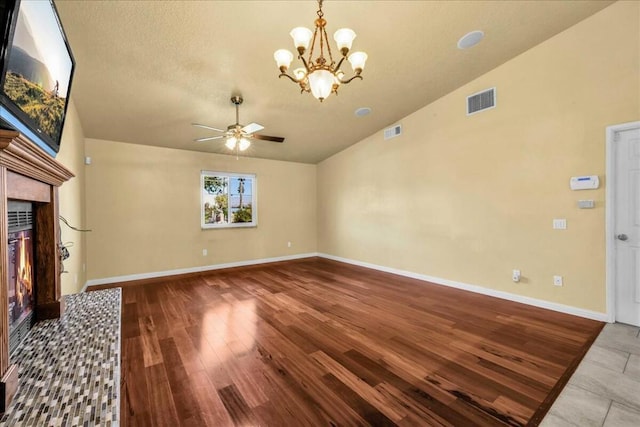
column 229, row 175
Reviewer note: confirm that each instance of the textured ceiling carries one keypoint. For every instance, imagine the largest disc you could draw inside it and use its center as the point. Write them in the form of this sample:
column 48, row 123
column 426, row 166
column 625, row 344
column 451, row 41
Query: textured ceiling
column 147, row 69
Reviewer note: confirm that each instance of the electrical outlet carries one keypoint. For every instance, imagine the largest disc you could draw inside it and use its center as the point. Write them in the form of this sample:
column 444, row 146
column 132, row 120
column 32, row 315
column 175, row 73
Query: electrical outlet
column 288, row 244
column 515, row 276
column 559, row 224
column 204, row 252
column 557, row 280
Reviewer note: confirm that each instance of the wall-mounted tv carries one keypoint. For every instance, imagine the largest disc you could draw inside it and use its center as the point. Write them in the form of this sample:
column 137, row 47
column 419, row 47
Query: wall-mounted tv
column 36, row 71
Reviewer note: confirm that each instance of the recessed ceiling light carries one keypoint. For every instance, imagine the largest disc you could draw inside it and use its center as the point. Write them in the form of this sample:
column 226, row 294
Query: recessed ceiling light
column 470, row 39
column 363, row 111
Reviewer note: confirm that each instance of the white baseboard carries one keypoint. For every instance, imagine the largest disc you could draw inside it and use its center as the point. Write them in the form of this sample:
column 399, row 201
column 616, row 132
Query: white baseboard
column 478, row 289
column 458, row 285
column 128, row 278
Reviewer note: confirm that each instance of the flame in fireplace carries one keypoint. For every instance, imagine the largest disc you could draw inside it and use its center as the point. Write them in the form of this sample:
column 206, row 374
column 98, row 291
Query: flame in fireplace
column 24, row 282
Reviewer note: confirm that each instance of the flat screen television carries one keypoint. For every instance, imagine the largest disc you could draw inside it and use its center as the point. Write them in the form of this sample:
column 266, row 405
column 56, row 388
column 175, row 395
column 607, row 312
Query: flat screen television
column 36, row 71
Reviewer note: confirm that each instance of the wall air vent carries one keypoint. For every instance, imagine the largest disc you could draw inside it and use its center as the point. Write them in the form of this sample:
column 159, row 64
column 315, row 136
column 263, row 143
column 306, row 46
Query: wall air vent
column 481, row 101
column 392, row 132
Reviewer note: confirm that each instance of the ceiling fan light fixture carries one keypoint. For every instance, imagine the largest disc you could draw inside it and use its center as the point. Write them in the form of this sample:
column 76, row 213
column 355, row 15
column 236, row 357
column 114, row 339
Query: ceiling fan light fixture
column 244, row 144
column 239, row 137
column 321, row 75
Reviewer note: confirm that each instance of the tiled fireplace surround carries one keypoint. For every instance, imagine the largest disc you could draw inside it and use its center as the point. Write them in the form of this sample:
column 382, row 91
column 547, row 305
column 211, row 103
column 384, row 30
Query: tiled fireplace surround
column 28, row 173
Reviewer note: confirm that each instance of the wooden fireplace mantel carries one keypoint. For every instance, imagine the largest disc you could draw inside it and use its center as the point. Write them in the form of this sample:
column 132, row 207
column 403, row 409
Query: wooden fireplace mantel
column 19, row 154
column 28, row 173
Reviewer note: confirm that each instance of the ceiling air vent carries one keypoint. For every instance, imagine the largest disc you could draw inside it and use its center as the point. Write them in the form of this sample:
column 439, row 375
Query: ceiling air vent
column 481, row 101
column 392, row 132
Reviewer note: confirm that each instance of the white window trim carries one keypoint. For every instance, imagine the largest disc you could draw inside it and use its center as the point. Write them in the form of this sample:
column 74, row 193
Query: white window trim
column 254, row 200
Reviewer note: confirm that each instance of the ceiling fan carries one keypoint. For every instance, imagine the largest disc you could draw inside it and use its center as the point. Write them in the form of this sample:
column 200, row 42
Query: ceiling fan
column 237, row 135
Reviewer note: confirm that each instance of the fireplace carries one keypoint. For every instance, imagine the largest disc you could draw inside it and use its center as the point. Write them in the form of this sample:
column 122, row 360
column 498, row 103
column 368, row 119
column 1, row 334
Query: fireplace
column 30, row 262
column 20, row 281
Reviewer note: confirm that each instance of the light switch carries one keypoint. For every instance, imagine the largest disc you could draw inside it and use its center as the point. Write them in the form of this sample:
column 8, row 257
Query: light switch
column 586, row 204
column 560, row 224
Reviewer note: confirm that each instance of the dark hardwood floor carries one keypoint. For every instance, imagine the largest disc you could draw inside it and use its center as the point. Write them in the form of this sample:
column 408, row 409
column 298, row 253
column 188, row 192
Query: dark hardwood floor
column 320, row 343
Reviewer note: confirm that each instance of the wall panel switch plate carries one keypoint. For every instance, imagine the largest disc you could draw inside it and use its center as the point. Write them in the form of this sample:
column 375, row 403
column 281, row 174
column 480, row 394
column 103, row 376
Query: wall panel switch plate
column 560, row 224
column 586, row 204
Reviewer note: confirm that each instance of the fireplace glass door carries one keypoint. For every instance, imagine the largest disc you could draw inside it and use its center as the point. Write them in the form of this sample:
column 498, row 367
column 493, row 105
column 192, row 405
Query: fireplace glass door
column 20, row 271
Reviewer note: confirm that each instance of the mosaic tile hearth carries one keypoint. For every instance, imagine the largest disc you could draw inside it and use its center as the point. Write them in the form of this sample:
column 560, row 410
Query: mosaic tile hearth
column 70, row 367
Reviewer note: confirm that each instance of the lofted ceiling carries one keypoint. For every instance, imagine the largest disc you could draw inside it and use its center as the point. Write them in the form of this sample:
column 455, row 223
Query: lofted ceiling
column 146, row 70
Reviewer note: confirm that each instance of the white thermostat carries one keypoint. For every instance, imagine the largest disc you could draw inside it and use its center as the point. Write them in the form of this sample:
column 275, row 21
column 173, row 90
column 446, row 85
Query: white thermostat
column 590, row 182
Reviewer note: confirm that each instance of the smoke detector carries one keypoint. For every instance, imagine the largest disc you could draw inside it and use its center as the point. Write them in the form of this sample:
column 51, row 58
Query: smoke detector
column 470, row 39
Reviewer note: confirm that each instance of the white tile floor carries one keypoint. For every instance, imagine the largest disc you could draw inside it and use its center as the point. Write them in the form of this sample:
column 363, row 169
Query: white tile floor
column 605, row 389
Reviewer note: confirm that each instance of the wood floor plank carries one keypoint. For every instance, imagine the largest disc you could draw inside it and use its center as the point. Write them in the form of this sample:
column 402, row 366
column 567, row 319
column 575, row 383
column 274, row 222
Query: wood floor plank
column 316, row 342
column 186, row 405
column 236, row 406
column 135, row 405
column 150, row 345
column 212, row 410
column 162, row 410
column 392, row 411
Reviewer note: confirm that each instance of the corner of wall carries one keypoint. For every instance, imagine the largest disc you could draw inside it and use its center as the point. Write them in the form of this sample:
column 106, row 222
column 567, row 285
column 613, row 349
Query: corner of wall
column 72, row 203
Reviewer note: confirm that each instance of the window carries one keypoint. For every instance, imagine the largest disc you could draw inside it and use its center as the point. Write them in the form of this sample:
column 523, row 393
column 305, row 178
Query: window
column 228, row 200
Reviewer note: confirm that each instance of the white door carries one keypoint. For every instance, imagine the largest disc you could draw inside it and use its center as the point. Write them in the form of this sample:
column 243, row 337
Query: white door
column 627, row 226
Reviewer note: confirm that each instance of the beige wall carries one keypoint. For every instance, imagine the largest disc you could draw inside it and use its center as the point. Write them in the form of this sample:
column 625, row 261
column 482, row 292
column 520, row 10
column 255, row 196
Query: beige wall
column 71, row 195
column 469, row 199
column 143, row 207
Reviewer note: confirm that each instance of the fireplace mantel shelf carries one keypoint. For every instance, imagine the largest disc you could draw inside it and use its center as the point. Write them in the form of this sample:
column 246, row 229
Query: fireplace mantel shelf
column 19, row 154
column 28, row 173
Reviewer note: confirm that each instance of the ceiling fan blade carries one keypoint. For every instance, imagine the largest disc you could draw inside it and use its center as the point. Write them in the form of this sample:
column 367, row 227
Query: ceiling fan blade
column 210, row 138
column 268, row 138
column 207, row 127
column 252, row 127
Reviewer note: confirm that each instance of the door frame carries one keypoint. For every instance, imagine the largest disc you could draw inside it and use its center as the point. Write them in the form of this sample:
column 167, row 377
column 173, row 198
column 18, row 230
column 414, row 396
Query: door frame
column 610, row 214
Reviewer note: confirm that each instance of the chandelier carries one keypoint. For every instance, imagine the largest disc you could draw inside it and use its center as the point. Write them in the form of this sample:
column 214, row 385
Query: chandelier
column 321, row 76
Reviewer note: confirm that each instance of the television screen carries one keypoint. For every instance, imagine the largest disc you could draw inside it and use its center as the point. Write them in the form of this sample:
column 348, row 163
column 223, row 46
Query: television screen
column 37, row 70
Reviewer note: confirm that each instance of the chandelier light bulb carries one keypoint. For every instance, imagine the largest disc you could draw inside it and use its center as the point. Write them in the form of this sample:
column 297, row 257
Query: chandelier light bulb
column 283, row 58
column 321, row 82
column 344, row 39
column 357, row 60
column 231, row 143
column 301, row 38
column 299, row 73
column 244, row 144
